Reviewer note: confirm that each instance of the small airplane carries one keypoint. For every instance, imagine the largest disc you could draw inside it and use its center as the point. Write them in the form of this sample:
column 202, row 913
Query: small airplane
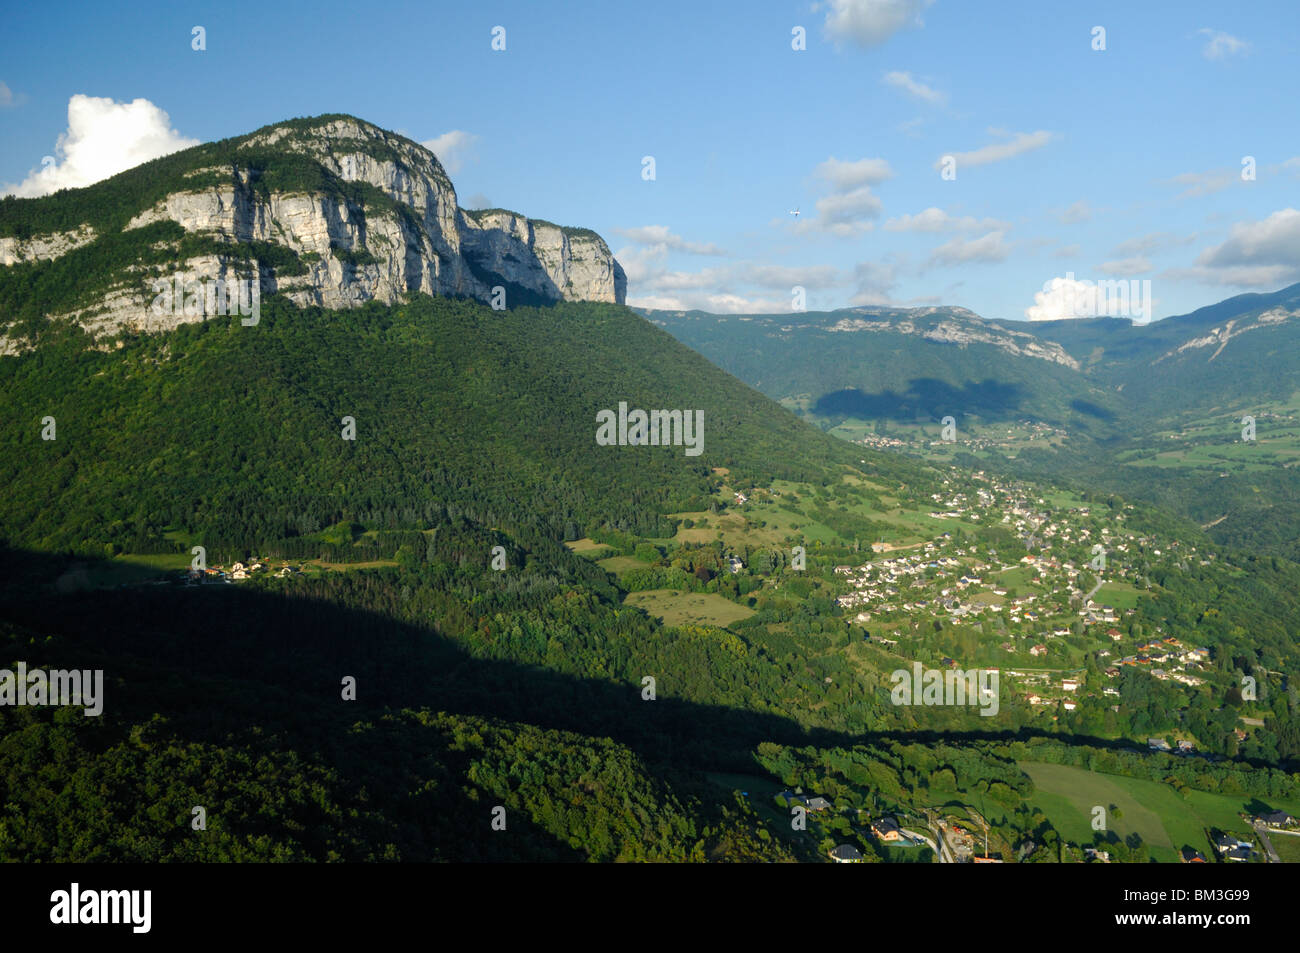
column 795, row 213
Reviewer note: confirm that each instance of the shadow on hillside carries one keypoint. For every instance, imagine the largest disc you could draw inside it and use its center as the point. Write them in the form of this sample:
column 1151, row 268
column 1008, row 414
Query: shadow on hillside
column 216, row 659
column 1092, row 410
column 927, row 398
column 221, row 657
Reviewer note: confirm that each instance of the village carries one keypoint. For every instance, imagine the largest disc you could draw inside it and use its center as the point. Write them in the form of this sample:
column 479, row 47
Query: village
column 1046, row 606
column 238, row 572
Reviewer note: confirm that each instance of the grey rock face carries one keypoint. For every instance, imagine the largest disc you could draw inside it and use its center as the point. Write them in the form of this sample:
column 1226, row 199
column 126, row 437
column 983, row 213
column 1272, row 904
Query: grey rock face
column 413, row 236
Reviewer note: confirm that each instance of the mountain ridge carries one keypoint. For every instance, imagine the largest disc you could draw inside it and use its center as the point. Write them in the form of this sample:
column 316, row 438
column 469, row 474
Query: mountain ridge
column 330, row 211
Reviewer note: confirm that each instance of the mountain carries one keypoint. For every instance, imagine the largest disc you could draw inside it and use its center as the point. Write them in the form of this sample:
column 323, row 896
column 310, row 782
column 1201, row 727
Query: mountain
column 384, row 446
column 330, row 211
column 1153, row 411
column 1239, row 350
column 377, row 577
column 905, row 364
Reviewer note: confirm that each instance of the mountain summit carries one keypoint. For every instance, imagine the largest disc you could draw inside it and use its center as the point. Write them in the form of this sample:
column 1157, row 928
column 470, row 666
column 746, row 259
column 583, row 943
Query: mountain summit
column 329, row 211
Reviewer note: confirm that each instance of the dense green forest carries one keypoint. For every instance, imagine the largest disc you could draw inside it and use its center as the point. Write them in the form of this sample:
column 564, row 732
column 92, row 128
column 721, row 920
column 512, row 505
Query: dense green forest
column 610, row 643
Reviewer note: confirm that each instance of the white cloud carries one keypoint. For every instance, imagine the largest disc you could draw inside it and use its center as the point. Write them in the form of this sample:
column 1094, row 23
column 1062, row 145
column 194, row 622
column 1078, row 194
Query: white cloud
column 1125, row 267
column 1264, row 253
column 719, row 303
column 904, row 81
column 1022, row 142
column 875, row 281
column 736, row 288
column 937, row 220
column 103, row 138
column 868, row 23
column 851, row 205
column 848, row 210
column 655, row 235
column 783, row 276
column 1068, row 251
column 845, row 176
column 452, row 149
column 7, row 97
column 477, row 200
column 1080, row 211
column 1065, row 299
column 1221, row 45
column 986, row 248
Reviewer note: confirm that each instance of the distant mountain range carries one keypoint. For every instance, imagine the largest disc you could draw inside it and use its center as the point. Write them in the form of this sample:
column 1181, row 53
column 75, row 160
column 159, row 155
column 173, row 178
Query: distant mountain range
column 1120, row 391
column 434, row 628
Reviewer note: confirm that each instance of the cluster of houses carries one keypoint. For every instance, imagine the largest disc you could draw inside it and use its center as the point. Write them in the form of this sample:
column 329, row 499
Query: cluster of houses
column 960, row 583
column 237, row 572
column 1233, row 849
column 1171, row 655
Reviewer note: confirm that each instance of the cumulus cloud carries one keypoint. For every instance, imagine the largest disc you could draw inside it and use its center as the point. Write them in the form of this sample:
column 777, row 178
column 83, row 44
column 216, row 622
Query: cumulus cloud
column 848, row 210
column 1066, row 298
column 913, row 87
column 844, row 176
column 7, row 97
column 787, row 276
column 986, row 248
column 868, row 23
column 103, row 138
column 1018, row 144
column 1221, row 45
column 875, row 283
column 717, row 302
column 851, row 205
column 937, row 220
column 1264, row 253
column 735, row 288
column 660, row 235
column 453, row 149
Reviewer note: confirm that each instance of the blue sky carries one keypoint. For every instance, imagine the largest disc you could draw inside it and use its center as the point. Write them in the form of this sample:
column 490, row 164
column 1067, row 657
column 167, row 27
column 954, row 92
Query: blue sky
column 1117, row 163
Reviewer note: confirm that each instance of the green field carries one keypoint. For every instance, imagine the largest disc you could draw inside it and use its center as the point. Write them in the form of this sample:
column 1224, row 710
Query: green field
column 1287, row 847
column 682, row 608
column 129, row 569
column 1165, row 820
column 587, row 547
column 618, row 564
column 1118, row 594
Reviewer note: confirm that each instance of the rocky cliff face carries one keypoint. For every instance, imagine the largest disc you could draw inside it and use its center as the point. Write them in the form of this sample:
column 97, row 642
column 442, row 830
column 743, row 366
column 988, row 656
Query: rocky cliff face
column 406, row 233
column 950, row 325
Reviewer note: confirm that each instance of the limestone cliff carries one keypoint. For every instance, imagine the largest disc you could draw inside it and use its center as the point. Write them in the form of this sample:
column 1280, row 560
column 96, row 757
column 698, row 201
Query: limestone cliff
column 357, row 213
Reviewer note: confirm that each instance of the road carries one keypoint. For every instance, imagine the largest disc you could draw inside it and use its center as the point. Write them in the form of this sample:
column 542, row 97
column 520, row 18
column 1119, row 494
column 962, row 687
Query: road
column 1262, row 831
column 939, row 858
column 942, row 853
column 1093, row 591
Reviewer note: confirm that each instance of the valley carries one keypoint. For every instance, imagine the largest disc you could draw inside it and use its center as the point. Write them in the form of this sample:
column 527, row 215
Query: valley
column 426, row 536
